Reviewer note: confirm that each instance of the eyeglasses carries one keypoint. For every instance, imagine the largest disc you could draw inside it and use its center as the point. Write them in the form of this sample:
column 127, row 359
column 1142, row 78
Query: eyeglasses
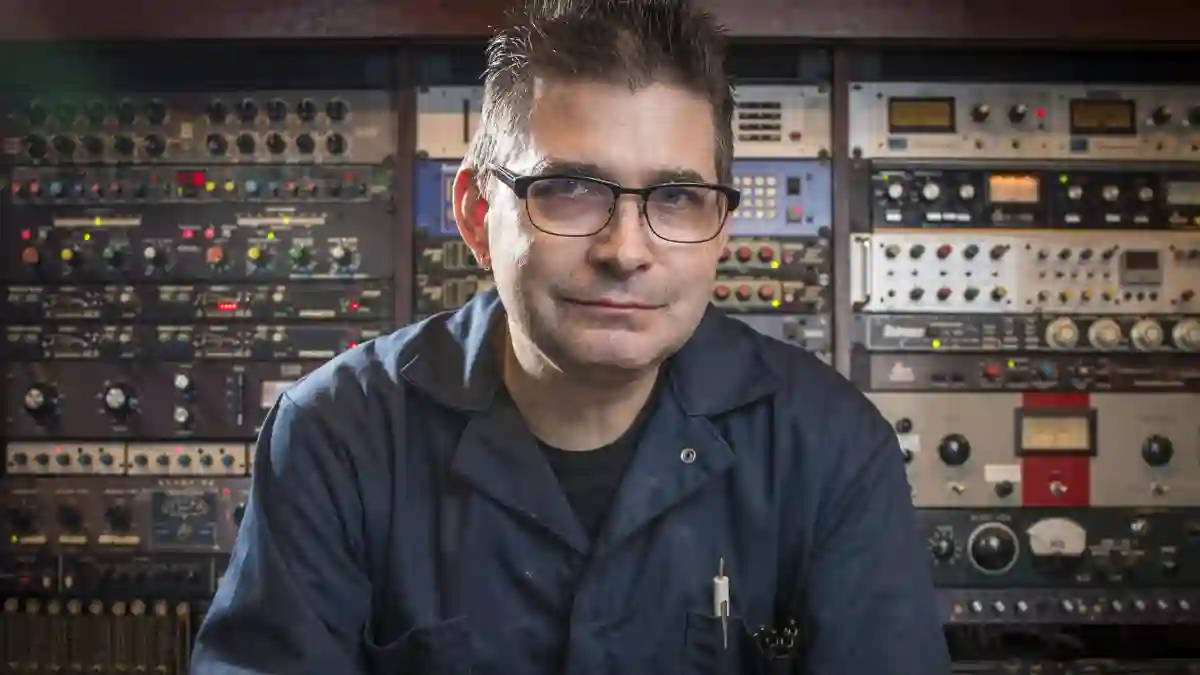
column 578, row 206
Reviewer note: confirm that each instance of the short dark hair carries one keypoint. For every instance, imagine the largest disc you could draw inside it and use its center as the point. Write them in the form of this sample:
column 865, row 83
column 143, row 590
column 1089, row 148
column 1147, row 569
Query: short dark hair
column 638, row 42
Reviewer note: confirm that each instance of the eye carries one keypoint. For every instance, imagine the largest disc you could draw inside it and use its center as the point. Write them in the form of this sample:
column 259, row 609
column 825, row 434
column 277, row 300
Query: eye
column 679, row 197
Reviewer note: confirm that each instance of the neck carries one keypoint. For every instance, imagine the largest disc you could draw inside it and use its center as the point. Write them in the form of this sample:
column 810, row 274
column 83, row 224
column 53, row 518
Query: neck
column 566, row 410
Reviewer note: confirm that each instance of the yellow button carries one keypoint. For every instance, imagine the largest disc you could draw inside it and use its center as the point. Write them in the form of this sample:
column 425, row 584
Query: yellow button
column 67, row 254
column 210, row 186
column 229, row 186
column 254, row 253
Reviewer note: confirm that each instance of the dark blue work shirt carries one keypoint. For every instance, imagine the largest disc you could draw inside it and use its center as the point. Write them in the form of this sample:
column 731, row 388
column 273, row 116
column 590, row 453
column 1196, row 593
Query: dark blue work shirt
column 403, row 521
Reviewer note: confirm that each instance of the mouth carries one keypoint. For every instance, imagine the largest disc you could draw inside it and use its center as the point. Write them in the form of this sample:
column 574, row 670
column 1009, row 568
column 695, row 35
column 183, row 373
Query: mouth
column 613, row 304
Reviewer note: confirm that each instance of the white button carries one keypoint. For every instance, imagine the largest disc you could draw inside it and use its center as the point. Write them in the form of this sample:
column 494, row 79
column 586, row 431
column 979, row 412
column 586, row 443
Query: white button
column 687, row 455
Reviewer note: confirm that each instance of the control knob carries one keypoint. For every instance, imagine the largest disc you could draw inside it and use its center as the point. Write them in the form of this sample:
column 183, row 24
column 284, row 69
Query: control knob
column 153, row 257
column 1160, row 115
column 335, row 144
column 966, row 192
column 277, row 110
column 182, row 416
column 70, row 519
column 118, row 518
column 993, row 548
column 1109, row 193
column 895, row 191
column 981, row 112
column 1186, row 335
column 342, row 255
column 183, row 383
column 36, row 147
column 247, row 111
column 276, row 143
column 941, row 546
column 126, row 113
column 1018, row 113
column 930, row 192
column 1074, row 193
column 1146, row 335
column 301, row 256
column 64, row 146
column 217, row 144
column 1062, row 334
column 954, row 450
column 156, row 146
column 337, row 110
column 306, row 110
column 218, row 112
column 1193, row 118
column 246, row 144
column 1146, row 194
column 41, row 401
column 93, row 145
column 1158, row 450
column 1104, row 334
column 119, row 400
column 21, row 521
column 305, row 144
column 998, row 252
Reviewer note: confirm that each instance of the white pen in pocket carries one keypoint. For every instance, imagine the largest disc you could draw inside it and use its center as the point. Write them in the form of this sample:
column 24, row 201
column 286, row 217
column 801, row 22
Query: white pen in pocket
column 721, row 601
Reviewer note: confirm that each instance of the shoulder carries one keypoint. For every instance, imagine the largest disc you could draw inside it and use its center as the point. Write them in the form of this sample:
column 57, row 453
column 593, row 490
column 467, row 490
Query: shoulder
column 818, row 400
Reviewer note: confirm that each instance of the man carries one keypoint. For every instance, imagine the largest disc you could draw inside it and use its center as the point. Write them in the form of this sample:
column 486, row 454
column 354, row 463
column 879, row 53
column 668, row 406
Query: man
column 550, row 480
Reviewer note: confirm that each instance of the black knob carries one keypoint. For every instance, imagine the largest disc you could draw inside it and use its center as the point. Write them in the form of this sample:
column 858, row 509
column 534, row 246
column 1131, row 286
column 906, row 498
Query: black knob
column 1018, row 113
column 916, row 251
column 239, row 512
column 246, row 144
column 277, row 110
column 119, row 519
column 64, row 146
column 217, row 112
column 216, row 144
column 970, row 293
column 904, row 425
column 909, row 455
column 1160, row 115
column 36, row 147
column 276, row 144
column 1158, row 450
column 993, row 548
column 916, row 293
column 126, row 113
column 970, row 252
column 36, row 113
column 66, row 113
column 981, row 112
column 1194, row 117
column 941, row 547
column 155, row 145
column 21, row 522
column 247, row 111
column 954, row 450
column 124, row 145
column 1004, row 489
column 96, row 112
column 335, row 144
column 94, row 145
column 305, row 144
column 156, row 112
column 70, row 519
column 306, row 110
column 337, row 110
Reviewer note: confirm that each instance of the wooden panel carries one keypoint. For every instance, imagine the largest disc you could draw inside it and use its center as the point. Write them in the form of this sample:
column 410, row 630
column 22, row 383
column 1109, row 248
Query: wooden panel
column 1130, row 21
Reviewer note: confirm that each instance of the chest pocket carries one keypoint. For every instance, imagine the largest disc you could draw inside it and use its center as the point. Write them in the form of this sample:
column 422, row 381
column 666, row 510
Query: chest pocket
column 442, row 648
column 706, row 651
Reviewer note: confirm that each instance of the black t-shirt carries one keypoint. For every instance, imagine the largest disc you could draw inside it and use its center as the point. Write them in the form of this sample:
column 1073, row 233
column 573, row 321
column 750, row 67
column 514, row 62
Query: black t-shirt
column 590, row 479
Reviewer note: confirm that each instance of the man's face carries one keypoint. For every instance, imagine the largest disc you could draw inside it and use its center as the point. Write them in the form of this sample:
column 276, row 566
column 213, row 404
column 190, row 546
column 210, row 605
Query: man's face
column 623, row 298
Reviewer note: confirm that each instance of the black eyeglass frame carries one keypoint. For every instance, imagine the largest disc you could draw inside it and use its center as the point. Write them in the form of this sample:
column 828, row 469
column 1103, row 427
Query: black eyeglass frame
column 520, row 185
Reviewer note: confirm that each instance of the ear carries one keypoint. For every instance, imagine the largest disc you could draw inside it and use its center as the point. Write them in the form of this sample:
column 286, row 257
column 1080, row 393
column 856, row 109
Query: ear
column 470, row 212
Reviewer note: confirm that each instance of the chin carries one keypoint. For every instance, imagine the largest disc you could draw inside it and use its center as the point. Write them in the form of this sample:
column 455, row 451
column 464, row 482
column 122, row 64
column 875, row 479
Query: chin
column 618, row 351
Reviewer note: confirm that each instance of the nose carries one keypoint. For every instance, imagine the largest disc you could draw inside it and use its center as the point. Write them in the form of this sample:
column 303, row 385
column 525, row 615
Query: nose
column 624, row 246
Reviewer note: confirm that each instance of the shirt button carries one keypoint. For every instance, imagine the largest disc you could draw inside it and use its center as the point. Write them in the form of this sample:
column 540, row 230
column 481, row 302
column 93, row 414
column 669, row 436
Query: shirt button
column 687, row 455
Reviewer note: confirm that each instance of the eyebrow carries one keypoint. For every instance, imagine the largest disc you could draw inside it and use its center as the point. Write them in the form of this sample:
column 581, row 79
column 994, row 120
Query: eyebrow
column 588, row 170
